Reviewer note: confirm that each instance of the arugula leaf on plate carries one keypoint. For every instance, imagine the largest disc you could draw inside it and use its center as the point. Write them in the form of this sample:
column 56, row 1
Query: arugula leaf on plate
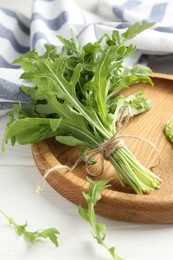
column 168, row 129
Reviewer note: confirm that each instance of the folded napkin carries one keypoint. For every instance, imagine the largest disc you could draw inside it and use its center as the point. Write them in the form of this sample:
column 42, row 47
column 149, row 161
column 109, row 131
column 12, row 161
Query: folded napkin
column 18, row 34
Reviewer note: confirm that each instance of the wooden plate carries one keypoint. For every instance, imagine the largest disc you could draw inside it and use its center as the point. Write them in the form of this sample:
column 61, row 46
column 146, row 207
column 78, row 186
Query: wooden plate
column 117, row 202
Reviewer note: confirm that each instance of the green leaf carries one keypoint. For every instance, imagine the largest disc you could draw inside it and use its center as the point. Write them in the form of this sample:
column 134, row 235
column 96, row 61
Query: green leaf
column 96, row 188
column 103, row 63
column 54, row 124
column 169, row 130
column 69, row 140
column 72, row 44
column 137, row 103
column 50, row 233
column 66, row 42
column 135, row 29
column 101, row 229
column 30, row 130
column 116, row 37
column 140, row 70
column 31, row 237
column 87, row 197
column 21, row 228
column 84, row 213
column 112, row 252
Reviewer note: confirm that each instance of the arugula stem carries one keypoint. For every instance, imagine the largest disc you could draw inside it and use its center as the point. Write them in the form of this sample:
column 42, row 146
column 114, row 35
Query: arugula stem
column 144, row 171
column 97, row 235
column 11, row 221
column 98, row 229
column 136, row 175
column 101, row 93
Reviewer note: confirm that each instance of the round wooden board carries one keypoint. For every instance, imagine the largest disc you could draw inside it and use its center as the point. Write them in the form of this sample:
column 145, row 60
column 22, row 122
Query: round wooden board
column 119, row 202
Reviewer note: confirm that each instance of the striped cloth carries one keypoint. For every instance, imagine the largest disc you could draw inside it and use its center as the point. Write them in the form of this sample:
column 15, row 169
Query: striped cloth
column 18, row 34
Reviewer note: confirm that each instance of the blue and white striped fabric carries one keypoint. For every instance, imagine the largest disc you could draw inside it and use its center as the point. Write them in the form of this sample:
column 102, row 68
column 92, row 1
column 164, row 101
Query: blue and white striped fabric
column 19, row 34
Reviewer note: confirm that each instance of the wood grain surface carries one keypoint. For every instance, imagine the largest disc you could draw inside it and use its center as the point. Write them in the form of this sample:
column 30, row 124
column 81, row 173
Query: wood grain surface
column 119, row 202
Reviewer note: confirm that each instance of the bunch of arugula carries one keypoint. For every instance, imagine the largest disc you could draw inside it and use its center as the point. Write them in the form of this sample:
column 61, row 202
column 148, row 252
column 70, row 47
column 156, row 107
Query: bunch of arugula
column 76, row 99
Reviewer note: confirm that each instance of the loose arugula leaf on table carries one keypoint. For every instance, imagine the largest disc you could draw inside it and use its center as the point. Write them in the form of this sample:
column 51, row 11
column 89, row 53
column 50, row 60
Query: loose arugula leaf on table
column 98, row 229
column 76, row 99
column 168, row 129
column 50, row 233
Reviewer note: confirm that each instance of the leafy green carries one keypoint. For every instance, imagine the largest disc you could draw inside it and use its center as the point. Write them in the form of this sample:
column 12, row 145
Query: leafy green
column 27, row 130
column 168, row 129
column 50, row 233
column 135, row 29
column 98, row 230
column 76, row 99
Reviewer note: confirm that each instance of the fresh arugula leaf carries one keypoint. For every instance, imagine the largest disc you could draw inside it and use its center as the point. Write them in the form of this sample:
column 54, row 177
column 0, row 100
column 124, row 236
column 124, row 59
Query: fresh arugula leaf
column 135, row 29
column 69, row 140
column 30, row 130
column 98, row 230
column 50, row 233
column 135, row 103
column 169, row 130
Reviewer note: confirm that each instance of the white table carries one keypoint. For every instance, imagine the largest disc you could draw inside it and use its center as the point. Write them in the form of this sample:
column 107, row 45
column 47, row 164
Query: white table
column 18, row 178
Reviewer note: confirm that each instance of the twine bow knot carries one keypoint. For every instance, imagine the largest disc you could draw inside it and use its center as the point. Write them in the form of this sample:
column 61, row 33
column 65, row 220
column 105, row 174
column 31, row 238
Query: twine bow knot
column 105, row 150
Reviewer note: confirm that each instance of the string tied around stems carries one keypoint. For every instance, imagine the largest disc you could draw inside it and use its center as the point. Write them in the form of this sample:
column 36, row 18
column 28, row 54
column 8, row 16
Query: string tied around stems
column 107, row 148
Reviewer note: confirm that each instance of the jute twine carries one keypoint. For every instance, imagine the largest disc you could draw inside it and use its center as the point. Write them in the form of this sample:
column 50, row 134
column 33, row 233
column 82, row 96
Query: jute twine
column 105, row 150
